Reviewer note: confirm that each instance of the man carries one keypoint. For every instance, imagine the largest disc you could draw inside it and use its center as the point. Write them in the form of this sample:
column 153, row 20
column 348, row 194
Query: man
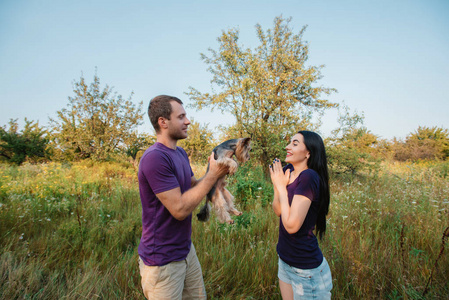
column 169, row 193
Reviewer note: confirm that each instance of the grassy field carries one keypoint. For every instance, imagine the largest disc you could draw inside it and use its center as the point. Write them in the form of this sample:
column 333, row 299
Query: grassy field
column 71, row 231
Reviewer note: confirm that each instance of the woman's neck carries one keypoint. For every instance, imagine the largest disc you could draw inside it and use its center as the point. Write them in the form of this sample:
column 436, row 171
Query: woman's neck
column 299, row 168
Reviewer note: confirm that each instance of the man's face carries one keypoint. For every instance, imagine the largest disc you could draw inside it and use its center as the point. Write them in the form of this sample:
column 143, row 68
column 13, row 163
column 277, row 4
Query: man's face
column 178, row 123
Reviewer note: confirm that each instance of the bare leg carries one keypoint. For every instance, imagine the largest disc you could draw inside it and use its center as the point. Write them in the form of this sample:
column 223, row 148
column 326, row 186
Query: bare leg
column 286, row 290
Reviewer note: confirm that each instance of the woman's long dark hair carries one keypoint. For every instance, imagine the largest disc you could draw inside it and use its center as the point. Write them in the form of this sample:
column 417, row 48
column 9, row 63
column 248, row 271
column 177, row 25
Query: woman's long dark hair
column 318, row 162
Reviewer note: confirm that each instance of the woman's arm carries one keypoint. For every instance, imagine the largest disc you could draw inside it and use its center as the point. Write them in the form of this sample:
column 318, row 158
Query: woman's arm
column 276, row 204
column 292, row 216
column 280, row 181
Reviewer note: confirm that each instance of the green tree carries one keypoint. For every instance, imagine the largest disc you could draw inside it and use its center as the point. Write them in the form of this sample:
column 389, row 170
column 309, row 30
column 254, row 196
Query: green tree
column 269, row 90
column 352, row 147
column 97, row 122
column 136, row 142
column 135, row 145
column 199, row 142
column 31, row 143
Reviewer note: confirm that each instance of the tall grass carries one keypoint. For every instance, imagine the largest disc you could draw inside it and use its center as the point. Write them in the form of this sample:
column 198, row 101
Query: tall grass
column 70, row 231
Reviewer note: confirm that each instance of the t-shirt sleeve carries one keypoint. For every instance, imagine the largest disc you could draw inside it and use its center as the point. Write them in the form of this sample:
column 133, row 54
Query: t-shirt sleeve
column 159, row 172
column 307, row 185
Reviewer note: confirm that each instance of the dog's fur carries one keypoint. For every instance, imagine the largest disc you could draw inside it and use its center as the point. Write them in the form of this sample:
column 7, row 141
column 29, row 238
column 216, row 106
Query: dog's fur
column 221, row 198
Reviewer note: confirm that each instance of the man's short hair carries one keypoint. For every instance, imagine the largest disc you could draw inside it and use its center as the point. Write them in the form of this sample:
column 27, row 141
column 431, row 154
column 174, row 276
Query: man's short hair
column 160, row 106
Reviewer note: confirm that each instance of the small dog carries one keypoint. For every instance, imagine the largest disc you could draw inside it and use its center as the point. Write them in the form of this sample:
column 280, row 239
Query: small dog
column 221, row 198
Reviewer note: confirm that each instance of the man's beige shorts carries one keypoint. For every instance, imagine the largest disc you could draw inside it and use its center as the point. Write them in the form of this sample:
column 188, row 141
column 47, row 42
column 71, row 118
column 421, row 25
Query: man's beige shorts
column 176, row 280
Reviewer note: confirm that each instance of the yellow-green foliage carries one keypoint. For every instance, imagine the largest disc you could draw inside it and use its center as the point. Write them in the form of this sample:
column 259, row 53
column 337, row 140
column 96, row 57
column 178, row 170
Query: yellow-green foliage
column 97, row 123
column 199, row 142
column 271, row 90
column 71, row 231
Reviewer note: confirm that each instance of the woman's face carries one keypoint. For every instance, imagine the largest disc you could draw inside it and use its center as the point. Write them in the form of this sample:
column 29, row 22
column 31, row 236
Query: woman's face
column 297, row 151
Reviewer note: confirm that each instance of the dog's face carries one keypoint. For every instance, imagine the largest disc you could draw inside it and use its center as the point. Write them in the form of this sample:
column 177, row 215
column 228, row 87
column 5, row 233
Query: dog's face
column 238, row 147
column 242, row 149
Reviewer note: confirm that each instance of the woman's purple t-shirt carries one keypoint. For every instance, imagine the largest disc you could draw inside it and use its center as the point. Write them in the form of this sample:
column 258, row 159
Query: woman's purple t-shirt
column 300, row 249
column 164, row 239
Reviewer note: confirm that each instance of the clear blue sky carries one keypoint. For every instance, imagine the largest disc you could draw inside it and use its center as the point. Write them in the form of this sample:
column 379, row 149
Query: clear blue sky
column 387, row 59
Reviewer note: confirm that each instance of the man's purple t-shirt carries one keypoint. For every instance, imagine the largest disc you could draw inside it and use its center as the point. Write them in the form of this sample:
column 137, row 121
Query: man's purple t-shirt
column 164, row 239
column 300, row 249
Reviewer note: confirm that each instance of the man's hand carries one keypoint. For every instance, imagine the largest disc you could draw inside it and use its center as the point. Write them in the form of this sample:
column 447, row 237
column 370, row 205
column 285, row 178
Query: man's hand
column 181, row 205
column 217, row 170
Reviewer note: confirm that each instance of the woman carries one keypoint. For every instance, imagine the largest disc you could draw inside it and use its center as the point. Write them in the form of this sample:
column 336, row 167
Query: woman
column 301, row 200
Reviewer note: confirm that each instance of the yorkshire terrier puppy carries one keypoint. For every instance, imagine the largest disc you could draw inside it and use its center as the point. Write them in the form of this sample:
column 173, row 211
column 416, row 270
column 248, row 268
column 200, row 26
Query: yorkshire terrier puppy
column 221, row 198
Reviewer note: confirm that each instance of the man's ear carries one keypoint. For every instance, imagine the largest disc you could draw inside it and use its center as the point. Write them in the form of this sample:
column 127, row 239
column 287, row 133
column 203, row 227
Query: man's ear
column 162, row 122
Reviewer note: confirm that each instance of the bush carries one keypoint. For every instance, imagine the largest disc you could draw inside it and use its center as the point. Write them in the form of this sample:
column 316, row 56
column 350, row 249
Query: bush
column 347, row 160
column 31, row 143
column 250, row 186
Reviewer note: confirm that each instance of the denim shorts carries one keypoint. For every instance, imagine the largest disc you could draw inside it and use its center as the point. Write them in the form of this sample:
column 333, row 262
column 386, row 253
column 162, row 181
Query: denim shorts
column 307, row 283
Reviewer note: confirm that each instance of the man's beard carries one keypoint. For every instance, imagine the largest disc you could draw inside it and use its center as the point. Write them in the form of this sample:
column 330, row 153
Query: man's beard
column 178, row 135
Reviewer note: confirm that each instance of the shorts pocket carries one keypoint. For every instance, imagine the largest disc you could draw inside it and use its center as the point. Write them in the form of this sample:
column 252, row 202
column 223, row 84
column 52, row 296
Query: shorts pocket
column 306, row 274
column 150, row 274
column 326, row 278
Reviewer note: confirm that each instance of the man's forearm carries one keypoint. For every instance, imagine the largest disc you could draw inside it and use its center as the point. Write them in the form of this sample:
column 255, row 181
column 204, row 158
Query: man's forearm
column 193, row 197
